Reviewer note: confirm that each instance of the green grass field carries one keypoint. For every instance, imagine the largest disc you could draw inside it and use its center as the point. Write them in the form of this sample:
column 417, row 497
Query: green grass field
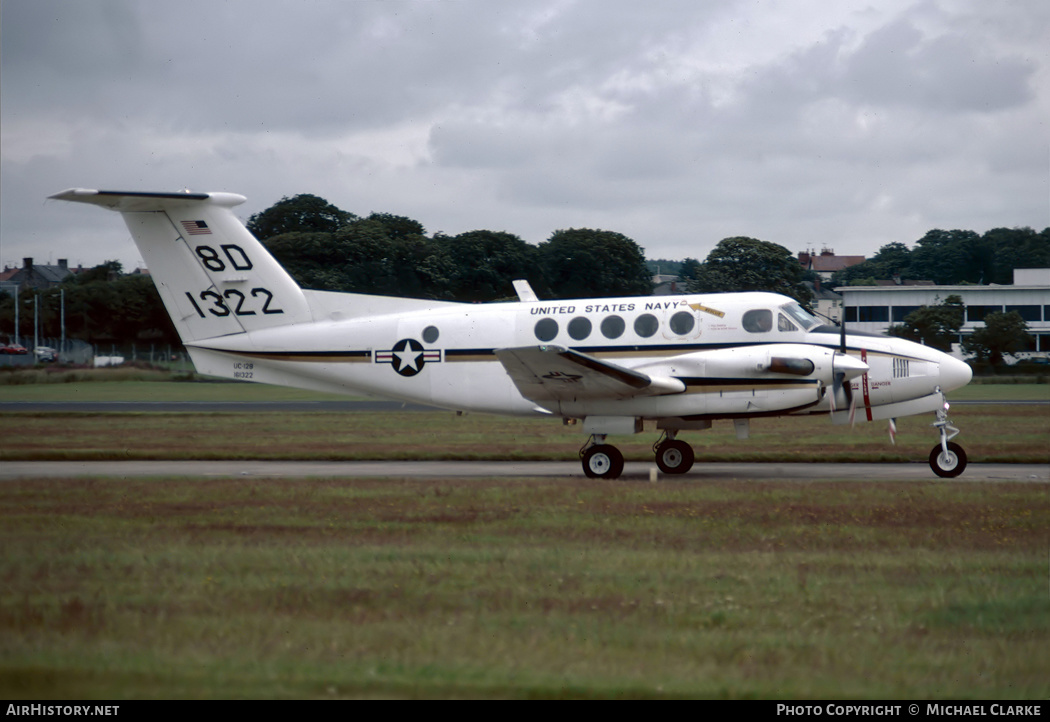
column 138, row 389
column 990, row 433
column 522, row 588
column 515, row 588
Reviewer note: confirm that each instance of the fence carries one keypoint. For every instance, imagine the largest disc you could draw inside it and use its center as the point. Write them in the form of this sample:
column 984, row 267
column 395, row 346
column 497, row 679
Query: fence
column 81, row 353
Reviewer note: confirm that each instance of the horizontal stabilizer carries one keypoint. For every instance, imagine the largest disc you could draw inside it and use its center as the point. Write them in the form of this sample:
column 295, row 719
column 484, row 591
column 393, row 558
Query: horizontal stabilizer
column 138, row 201
column 555, row 373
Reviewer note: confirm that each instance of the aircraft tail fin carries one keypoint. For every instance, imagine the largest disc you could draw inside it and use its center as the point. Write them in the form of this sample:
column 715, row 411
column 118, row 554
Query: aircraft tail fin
column 214, row 277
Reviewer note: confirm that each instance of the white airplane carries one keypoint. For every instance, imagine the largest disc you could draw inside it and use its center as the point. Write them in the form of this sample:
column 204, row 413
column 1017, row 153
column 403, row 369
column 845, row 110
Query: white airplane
column 619, row 365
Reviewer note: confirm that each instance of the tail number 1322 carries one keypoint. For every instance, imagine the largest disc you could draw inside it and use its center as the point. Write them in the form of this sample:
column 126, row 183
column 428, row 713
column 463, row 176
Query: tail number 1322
column 232, row 301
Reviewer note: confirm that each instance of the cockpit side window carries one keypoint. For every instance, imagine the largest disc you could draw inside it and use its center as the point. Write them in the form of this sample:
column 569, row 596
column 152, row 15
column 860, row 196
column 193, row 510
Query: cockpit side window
column 758, row 320
column 783, row 324
column 800, row 315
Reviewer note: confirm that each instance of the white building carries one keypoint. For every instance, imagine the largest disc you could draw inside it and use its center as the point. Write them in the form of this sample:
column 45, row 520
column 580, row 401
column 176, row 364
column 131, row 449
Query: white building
column 876, row 308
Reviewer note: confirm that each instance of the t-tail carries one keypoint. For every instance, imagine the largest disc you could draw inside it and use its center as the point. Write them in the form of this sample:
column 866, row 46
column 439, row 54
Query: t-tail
column 214, row 277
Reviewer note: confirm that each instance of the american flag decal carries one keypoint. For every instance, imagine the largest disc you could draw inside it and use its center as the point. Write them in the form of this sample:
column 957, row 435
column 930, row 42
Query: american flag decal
column 196, row 228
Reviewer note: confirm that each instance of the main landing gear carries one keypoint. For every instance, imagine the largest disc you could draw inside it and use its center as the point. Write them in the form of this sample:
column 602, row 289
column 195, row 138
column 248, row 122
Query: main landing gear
column 947, row 459
column 604, row 461
column 673, row 456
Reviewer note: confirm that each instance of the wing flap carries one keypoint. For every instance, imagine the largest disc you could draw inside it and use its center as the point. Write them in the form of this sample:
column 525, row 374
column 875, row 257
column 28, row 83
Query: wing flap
column 556, row 373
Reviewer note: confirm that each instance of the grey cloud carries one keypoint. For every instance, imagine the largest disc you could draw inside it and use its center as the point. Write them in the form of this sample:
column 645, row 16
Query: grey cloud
column 540, row 115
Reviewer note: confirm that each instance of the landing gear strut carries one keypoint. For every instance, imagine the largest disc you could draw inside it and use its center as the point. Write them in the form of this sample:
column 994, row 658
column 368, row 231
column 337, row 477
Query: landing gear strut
column 673, row 456
column 601, row 460
column 947, row 459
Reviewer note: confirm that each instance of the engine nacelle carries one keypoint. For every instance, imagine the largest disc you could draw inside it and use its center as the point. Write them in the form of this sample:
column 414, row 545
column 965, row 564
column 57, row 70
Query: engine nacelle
column 733, row 382
column 767, row 361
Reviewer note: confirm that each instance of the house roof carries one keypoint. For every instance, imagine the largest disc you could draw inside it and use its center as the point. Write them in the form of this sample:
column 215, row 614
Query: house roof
column 834, row 263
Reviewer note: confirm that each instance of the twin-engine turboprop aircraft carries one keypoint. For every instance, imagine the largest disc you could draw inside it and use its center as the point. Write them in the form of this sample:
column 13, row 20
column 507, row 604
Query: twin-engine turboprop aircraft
column 619, row 365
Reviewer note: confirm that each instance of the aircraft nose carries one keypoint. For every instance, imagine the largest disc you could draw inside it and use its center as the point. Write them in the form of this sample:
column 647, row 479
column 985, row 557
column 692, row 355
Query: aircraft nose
column 954, row 373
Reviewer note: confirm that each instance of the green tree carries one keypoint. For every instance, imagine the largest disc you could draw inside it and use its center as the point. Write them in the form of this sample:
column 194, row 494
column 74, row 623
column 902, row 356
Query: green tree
column 949, row 257
column 1017, row 248
column 104, row 272
column 1002, row 333
column 748, row 264
column 100, row 306
column 936, row 326
column 482, row 265
column 301, row 213
column 314, row 259
column 583, row 262
column 893, row 259
column 690, row 270
column 398, row 227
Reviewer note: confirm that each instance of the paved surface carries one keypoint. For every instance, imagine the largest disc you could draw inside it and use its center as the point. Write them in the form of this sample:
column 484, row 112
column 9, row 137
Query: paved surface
column 633, row 471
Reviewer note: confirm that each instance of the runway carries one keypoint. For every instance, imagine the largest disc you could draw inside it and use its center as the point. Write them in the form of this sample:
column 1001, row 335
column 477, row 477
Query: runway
column 633, row 471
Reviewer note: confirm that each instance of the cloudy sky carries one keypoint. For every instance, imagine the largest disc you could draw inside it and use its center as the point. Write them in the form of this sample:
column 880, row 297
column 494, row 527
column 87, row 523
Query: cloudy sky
column 808, row 123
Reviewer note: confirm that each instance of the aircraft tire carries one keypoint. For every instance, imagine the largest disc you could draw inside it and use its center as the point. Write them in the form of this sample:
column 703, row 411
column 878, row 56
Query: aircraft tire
column 948, row 466
column 602, row 461
column 674, row 457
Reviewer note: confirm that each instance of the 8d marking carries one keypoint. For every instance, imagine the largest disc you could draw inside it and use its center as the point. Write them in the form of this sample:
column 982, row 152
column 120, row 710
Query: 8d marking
column 239, row 261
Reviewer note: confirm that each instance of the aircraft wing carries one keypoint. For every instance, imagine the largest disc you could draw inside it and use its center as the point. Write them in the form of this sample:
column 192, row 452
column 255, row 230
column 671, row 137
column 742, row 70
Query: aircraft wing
column 556, row 373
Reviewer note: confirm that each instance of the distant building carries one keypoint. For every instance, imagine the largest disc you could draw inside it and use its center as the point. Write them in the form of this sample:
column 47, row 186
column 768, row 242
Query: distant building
column 876, row 308
column 665, row 285
column 898, row 281
column 35, row 275
column 827, row 263
column 826, row 303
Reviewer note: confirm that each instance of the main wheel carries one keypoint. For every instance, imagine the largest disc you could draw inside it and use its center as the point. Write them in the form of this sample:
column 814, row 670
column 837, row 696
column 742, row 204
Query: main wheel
column 674, row 457
column 602, row 461
column 950, row 464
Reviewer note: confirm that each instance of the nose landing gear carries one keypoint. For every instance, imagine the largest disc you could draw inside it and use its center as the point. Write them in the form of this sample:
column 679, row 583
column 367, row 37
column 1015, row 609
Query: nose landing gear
column 947, row 459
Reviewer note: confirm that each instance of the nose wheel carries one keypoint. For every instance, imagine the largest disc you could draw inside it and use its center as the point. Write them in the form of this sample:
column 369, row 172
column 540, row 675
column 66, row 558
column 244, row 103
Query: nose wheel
column 948, row 462
column 947, row 459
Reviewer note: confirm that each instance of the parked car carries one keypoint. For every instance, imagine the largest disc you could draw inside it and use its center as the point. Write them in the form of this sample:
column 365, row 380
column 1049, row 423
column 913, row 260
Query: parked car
column 45, row 353
column 15, row 348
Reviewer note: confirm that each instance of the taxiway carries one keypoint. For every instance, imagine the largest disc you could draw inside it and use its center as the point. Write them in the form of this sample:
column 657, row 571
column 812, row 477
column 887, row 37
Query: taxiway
column 633, row 471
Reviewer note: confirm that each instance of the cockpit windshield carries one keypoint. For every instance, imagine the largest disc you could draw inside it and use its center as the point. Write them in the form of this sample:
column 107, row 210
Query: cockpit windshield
column 801, row 315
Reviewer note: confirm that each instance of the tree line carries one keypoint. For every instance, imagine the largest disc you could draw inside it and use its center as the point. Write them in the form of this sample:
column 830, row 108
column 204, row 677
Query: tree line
column 326, row 248
column 951, row 258
column 99, row 305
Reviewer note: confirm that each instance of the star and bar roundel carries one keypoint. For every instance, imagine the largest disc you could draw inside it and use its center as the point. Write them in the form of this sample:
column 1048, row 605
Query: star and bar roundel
column 408, row 357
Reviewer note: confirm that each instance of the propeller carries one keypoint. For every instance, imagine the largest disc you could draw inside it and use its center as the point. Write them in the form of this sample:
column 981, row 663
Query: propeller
column 844, row 369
